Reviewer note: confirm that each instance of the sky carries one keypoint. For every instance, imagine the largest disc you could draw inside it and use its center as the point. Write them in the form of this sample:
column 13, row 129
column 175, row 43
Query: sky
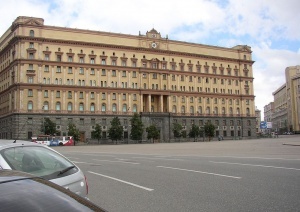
column 269, row 27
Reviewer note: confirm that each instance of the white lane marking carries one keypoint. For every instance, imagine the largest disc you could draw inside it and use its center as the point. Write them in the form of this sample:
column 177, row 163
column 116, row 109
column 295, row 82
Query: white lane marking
column 122, row 181
column 188, row 170
column 113, row 161
column 87, row 163
column 245, row 164
column 73, row 158
column 157, row 158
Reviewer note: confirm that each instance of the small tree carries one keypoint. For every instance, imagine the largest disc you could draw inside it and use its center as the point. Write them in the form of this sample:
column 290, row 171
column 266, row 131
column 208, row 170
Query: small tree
column 209, row 130
column 136, row 128
column 194, row 132
column 115, row 132
column 97, row 133
column 73, row 131
column 153, row 132
column 177, row 130
column 48, row 127
column 183, row 133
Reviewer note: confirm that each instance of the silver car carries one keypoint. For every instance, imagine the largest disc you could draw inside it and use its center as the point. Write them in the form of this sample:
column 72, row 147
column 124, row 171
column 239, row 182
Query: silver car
column 42, row 161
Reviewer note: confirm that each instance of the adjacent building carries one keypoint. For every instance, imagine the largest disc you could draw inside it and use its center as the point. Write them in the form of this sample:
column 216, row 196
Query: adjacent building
column 88, row 77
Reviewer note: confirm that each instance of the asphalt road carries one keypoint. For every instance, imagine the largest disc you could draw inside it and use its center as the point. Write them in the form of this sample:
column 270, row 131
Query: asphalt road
column 246, row 175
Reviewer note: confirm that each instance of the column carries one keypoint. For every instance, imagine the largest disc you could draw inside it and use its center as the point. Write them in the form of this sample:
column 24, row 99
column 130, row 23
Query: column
column 161, row 101
column 149, row 103
column 141, row 103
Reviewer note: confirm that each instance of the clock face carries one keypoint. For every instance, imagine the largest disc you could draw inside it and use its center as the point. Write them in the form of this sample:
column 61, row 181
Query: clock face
column 154, row 45
column 153, row 35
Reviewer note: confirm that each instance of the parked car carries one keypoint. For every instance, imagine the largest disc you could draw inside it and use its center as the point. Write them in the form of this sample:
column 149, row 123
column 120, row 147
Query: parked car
column 54, row 140
column 25, row 192
column 42, row 161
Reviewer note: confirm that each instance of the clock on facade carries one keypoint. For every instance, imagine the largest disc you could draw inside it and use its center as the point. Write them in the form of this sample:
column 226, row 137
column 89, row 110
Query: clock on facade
column 154, row 45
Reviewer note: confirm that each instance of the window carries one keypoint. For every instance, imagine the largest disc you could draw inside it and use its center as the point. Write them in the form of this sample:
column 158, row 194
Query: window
column 134, row 74
column 31, row 56
column 92, row 71
column 58, row 58
column 30, row 79
column 81, row 121
column 103, row 96
column 124, row 96
column 92, row 107
column 70, row 71
column 57, row 106
column 123, row 73
column 46, row 93
column 30, row 92
column 70, row 58
column 31, row 33
column 123, row 63
column 81, row 60
column 81, row 107
column 113, row 62
column 92, row 61
column 81, row 71
column 80, row 95
column 154, row 76
column 103, row 108
column 46, row 106
column 57, row 94
column 103, row 72
column 69, row 94
column 103, row 62
column 124, row 108
column 92, row 95
column 58, row 69
column 114, row 107
column 113, row 73
column 134, row 109
column 69, row 106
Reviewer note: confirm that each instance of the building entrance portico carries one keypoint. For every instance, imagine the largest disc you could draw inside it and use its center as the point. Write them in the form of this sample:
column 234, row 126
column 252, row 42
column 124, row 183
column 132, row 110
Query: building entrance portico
column 154, row 103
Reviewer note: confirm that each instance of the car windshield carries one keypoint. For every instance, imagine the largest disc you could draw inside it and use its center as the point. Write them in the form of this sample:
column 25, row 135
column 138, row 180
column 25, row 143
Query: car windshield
column 39, row 161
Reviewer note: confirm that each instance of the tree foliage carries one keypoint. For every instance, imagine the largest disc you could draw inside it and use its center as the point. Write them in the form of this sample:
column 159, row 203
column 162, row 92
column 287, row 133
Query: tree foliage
column 194, row 132
column 73, row 131
column 137, row 128
column 115, row 132
column 48, row 127
column 209, row 130
column 153, row 132
column 177, row 130
column 97, row 133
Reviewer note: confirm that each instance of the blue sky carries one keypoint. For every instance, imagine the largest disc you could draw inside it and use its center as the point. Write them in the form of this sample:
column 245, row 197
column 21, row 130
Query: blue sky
column 270, row 27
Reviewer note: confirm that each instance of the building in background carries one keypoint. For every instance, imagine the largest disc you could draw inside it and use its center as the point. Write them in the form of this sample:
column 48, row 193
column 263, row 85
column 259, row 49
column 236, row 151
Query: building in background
column 258, row 120
column 279, row 117
column 88, row 77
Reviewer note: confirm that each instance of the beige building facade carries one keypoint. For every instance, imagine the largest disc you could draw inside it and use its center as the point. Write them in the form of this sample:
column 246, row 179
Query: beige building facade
column 89, row 77
column 279, row 117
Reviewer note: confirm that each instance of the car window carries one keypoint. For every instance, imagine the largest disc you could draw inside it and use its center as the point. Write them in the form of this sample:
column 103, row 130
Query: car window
column 39, row 161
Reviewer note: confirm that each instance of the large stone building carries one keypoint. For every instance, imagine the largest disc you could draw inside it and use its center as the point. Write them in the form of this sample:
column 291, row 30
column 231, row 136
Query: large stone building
column 279, row 117
column 89, row 77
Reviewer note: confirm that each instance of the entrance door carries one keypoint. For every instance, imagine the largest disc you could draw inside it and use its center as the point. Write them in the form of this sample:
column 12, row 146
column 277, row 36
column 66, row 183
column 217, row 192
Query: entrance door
column 82, row 137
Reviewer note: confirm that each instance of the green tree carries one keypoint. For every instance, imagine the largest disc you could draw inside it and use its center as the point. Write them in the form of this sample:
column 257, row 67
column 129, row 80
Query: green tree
column 177, row 130
column 48, row 127
column 153, row 132
column 97, row 133
column 209, row 130
column 73, row 131
column 115, row 132
column 194, row 132
column 183, row 133
column 137, row 128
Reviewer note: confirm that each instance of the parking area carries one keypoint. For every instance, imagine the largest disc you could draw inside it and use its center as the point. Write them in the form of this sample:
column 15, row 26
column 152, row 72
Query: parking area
column 252, row 175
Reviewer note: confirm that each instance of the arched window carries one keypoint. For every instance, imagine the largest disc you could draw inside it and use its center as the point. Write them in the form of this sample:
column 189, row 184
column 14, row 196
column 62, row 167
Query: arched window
column 81, row 106
column 223, row 111
column 46, row 106
column 216, row 111
column 92, row 107
column 31, row 33
column 48, row 80
column 238, row 111
column 174, row 109
column 247, row 111
column 200, row 109
column 79, row 82
column 44, row 80
column 183, row 109
column 70, row 106
column 60, row 81
column 83, row 83
column 56, row 81
column 230, row 111
column 208, row 110
column 103, row 108
column 57, row 106
column 191, row 109
column 124, row 108
column 134, row 109
column 114, row 107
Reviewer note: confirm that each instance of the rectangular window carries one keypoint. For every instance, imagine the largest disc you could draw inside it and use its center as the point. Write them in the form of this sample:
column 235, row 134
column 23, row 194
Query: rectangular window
column 58, row 58
column 103, row 96
column 30, row 92
column 134, row 97
column 123, row 63
column 81, row 60
column 103, row 72
column 30, row 79
column 123, row 73
column 133, row 64
column 113, row 62
column 70, row 59
column 134, row 74
column 103, row 62
column 191, row 78
column 57, row 94
column 144, row 75
column 81, row 71
column 46, row 56
column 113, row 73
column 92, row 95
column 124, row 96
column 46, row 93
column 164, row 76
column 92, row 60
column 58, row 69
column 31, row 56
column 92, row 71
column 70, row 71
column 114, row 96
column 154, row 76
column 81, row 95
column 69, row 94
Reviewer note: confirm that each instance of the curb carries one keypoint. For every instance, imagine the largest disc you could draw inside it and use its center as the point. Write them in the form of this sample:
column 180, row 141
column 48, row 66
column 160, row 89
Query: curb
column 291, row 144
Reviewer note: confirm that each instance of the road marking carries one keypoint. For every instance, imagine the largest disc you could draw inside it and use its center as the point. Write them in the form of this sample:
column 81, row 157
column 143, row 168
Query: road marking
column 157, row 158
column 122, row 181
column 73, row 158
column 113, row 161
column 188, row 170
column 245, row 164
column 87, row 163
column 246, row 157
